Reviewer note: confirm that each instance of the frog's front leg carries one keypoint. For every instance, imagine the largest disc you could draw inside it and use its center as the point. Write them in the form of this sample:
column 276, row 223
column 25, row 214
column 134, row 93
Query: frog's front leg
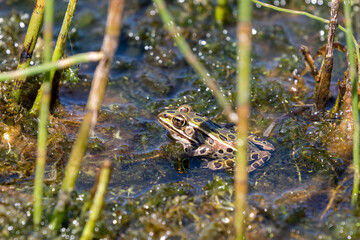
column 258, row 159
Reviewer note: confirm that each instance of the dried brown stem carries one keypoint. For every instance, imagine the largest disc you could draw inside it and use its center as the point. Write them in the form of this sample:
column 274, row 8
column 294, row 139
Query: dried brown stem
column 323, row 89
column 97, row 92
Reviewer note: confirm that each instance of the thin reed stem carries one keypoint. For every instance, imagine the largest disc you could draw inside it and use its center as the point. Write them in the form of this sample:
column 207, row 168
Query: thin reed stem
column 243, row 110
column 60, row 45
column 44, row 114
column 98, row 202
column 31, row 37
column 194, row 62
column 46, row 67
column 355, row 192
column 221, row 11
column 96, row 95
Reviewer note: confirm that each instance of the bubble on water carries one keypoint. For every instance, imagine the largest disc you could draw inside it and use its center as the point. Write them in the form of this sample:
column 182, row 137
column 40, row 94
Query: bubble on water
column 203, row 42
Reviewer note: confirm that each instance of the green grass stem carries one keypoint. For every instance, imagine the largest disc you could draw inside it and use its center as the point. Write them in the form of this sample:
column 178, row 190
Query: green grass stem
column 59, row 48
column 220, row 11
column 44, row 114
column 31, row 37
column 348, row 24
column 96, row 95
column 46, row 67
column 243, row 110
column 194, row 62
column 98, row 202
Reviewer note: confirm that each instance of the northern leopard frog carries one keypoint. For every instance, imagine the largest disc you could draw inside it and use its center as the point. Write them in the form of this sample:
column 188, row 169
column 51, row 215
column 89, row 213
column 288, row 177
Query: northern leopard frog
column 202, row 137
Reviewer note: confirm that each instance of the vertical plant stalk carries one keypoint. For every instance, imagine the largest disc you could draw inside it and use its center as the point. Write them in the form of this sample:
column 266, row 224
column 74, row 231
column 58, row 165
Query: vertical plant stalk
column 43, row 118
column 323, row 89
column 60, row 45
column 96, row 95
column 243, row 110
column 98, row 201
column 29, row 45
column 220, row 11
column 348, row 24
column 194, row 62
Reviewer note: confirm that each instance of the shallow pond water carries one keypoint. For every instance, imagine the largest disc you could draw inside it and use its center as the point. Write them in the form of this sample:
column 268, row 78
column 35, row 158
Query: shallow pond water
column 155, row 190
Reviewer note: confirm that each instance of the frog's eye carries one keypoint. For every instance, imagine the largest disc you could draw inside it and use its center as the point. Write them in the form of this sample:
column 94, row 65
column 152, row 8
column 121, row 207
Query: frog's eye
column 179, row 121
column 184, row 108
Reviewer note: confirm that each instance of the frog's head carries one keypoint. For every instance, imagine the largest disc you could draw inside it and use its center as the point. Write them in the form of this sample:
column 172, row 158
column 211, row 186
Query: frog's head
column 179, row 124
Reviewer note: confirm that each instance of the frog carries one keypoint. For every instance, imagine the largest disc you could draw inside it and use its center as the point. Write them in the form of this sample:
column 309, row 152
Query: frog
column 214, row 143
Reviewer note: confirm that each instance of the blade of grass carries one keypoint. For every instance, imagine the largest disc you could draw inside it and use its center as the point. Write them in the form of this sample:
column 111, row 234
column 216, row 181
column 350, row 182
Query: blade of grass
column 46, row 67
column 29, row 45
column 221, row 11
column 348, row 24
column 44, row 113
column 194, row 62
column 243, row 110
column 96, row 95
column 60, row 44
column 98, row 201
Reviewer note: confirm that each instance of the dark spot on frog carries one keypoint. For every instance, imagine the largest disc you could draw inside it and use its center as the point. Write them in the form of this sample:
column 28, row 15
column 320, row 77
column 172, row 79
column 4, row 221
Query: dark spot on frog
column 232, row 157
column 217, row 164
column 265, row 158
column 229, row 150
column 230, row 163
column 232, row 131
column 255, row 156
column 210, row 140
column 215, row 131
column 198, row 120
column 198, row 114
column 231, row 136
column 225, row 158
column 170, row 111
column 202, row 151
column 255, row 165
column 215, row 155
column 184, row 109
column 222, row 137
column 221, row 151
